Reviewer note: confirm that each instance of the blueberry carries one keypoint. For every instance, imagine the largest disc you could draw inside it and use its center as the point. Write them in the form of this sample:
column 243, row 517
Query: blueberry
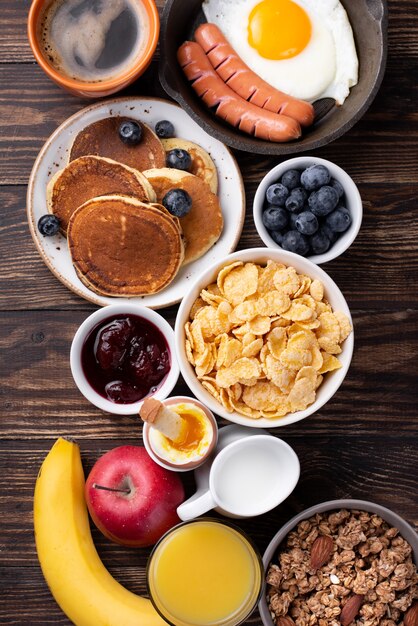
column 307, row 223
column 48, row 225
column 339, row 220
column 329, row 233
column 323, row 201
column 315, row 177
column 291, row 179
column 276, row 194
column 276, row 236
column 179, row 159
column 275, row 218
column 319, row 242
column 296, row 200
column 177, row 202
column 294, row 241
column 130, row 132
column 292, row 221
column 338, row 187
column 164, row 129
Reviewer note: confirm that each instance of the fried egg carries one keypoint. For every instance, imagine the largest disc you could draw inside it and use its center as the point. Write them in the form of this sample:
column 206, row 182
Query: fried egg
column 302, row 47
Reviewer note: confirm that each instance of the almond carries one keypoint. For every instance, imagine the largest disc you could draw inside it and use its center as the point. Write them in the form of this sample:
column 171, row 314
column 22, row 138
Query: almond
column 351, row 608
column 411, row 616
column 321, row 551
column 285, row 621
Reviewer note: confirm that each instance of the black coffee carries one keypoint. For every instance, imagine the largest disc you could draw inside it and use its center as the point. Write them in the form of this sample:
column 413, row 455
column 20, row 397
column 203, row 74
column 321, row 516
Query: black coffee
column 93, row 40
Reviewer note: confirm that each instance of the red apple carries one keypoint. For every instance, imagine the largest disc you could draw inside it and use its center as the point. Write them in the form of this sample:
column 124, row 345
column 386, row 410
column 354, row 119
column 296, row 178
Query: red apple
column 131, row 499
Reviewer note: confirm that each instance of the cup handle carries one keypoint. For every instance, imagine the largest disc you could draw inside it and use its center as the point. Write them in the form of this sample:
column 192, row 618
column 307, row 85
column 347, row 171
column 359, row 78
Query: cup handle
column 196, row 505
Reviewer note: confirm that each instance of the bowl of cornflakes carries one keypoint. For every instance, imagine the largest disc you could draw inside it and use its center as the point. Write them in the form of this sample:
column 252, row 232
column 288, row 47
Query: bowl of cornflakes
column 264, row 338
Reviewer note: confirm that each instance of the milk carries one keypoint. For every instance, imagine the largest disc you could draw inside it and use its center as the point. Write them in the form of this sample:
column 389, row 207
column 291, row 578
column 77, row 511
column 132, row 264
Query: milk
column 248, row 479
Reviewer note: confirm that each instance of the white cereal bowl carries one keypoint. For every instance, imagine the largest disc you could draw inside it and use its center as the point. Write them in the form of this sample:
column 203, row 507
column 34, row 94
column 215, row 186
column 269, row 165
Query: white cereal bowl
column 103, row 314
column 352, row 197
column 332, row 380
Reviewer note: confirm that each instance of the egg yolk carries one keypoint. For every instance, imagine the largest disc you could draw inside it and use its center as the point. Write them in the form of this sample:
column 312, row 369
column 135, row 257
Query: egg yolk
column 278, row 29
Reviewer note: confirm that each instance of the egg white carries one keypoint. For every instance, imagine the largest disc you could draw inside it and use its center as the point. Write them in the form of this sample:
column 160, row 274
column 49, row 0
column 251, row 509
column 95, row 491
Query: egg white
column 327, row 67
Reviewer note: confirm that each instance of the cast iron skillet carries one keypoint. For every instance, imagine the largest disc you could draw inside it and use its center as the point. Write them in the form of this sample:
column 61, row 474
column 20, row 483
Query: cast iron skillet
column 369, row 22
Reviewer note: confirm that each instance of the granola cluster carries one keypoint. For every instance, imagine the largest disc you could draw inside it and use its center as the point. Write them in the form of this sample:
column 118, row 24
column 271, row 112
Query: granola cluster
column 367, row 566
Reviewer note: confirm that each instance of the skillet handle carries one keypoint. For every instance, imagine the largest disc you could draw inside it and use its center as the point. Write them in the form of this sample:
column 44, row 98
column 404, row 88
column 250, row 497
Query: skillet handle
column 376, row 9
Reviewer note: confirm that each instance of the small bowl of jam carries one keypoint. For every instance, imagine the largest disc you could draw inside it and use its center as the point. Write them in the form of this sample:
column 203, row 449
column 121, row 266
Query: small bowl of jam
column 122, row 354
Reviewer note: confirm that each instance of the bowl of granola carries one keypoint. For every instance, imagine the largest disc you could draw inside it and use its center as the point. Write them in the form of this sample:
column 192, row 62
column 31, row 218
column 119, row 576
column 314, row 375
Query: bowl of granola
column 342, row 562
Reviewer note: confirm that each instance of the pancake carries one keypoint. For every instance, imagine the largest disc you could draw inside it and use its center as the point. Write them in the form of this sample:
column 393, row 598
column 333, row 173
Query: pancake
column 202, row 226
column 89, row 177
column 123, row 247
column 202, row 164
column 102, row 139
column 175, row 219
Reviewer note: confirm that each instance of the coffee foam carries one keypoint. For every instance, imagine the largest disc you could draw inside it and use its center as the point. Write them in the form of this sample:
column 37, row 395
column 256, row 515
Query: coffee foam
column 73, row 36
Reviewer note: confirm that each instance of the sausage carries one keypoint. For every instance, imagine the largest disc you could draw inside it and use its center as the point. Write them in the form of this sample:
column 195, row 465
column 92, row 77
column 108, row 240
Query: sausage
column 231, row 107
column 246, row 83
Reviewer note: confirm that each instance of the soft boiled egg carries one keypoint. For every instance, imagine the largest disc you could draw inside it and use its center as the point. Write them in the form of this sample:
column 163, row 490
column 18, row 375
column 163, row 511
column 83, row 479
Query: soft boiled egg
column 302, row 47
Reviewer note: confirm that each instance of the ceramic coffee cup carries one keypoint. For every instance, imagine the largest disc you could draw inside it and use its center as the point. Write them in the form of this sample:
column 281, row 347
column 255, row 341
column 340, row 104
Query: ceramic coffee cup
column 248, row 477
column 95, row 89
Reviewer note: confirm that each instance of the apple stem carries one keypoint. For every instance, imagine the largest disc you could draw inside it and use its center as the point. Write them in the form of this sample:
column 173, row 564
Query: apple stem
column 96, row 486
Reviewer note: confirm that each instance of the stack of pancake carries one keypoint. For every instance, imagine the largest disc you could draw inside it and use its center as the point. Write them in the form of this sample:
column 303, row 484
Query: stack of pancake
column 108, row 199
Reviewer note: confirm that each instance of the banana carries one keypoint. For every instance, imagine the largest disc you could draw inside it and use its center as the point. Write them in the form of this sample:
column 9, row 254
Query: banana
column 77, row 578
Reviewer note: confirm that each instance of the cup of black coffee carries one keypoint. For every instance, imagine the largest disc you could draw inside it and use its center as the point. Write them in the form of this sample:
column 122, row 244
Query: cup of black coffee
column 93, row 48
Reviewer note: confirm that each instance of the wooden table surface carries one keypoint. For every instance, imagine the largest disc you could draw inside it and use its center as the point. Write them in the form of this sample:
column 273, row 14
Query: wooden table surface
column 362, row 444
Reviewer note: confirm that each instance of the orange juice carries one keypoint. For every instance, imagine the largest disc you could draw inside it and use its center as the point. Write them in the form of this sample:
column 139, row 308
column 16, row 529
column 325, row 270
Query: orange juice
column 204, row 573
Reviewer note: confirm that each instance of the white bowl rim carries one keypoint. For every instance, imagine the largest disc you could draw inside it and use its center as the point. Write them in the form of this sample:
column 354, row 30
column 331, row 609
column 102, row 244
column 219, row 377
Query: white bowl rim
column 103, row 313
column 388, row 515
column 253, row 255
column 352, row 196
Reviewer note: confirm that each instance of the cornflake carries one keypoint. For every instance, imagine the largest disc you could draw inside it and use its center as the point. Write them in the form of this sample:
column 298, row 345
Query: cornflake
column 261, row 339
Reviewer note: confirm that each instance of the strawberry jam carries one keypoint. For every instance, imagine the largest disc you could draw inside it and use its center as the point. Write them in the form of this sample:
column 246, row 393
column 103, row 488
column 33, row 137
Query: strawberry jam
column 125, row 358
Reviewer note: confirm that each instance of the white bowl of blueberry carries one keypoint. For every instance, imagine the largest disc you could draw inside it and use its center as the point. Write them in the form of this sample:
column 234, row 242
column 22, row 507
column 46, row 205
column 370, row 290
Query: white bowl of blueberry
column 309, row 206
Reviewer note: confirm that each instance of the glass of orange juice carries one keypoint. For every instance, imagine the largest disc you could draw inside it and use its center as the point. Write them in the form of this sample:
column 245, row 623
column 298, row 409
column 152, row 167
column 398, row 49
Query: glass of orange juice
column 205, row 573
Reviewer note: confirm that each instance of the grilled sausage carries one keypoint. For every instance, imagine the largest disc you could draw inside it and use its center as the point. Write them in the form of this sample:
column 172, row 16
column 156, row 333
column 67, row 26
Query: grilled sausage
column 229, row 106
column 246, row 83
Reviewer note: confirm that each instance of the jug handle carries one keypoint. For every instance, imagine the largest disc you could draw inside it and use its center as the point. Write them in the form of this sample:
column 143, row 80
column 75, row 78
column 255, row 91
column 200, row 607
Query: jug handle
column 198, row 504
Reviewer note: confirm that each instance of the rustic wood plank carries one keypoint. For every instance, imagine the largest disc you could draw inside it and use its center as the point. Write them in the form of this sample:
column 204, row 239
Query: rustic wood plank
column 370, row 273
column 40, row 399
column 403, row 19
column 42, row 106
column 335, row 466
column 32, row 107
column 39, row 606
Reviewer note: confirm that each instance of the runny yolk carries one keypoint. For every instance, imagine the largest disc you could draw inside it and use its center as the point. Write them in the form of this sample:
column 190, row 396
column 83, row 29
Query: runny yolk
column 278, row 29
column 193, row 436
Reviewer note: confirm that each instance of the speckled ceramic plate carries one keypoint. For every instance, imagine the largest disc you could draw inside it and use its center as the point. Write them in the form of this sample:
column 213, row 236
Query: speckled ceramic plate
column 54, row 156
